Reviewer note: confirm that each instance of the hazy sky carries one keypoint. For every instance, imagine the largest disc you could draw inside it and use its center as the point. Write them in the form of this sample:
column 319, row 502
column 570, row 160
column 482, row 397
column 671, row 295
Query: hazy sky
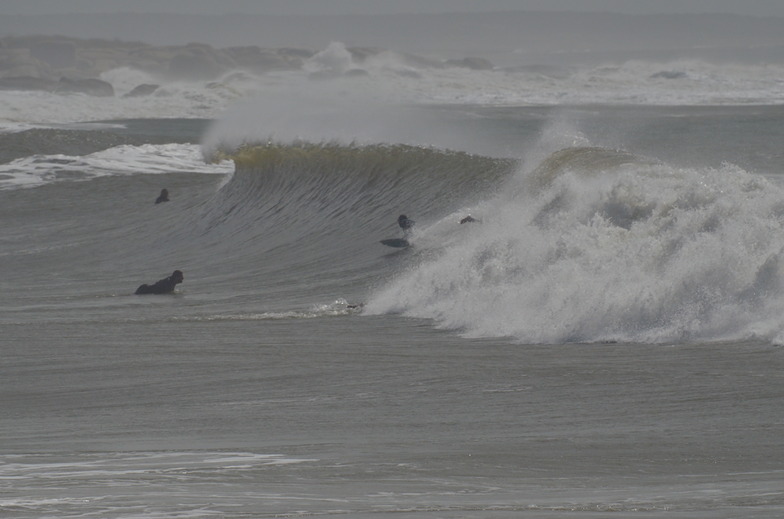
column 747, row 7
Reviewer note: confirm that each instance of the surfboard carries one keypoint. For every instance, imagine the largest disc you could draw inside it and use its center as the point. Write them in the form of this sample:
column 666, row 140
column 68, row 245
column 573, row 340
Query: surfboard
column 396, row 242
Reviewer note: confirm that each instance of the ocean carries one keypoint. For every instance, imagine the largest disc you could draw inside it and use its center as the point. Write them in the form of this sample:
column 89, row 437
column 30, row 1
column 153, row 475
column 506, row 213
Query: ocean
column 604, row 340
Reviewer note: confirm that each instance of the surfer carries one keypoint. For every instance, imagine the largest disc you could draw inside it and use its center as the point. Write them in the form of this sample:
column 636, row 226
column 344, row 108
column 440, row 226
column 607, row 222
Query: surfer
column 405, row 222
column 163, row 197
column 468, row 219
column 163, row 286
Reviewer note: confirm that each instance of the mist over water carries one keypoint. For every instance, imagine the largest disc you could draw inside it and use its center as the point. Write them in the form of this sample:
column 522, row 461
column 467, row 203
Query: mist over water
column 321, row 115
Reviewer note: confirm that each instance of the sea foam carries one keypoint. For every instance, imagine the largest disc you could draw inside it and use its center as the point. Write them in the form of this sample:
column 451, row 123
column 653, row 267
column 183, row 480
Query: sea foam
column 631, row 251
column 37, row 170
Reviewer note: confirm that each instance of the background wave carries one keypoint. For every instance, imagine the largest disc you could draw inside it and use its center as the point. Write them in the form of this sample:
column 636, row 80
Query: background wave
column 393, row 76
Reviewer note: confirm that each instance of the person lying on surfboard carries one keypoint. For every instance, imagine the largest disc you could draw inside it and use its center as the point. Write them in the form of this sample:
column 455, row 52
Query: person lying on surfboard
column 163, row 197
column 163, row 286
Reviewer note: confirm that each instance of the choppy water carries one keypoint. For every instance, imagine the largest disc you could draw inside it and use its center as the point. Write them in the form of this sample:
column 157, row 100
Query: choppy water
column 606, row 339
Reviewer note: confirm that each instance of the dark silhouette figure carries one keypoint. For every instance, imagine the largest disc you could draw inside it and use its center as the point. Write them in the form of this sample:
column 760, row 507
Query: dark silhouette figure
column 164, row 286
column 163, row 197
column 468, row 219
column 405, row 222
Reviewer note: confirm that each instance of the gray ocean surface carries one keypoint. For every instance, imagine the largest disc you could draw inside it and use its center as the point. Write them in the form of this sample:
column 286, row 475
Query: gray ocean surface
column 606, row 342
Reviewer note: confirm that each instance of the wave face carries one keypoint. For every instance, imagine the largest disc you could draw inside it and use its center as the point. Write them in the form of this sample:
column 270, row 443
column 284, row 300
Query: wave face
column 595, row 245
column 316, row 213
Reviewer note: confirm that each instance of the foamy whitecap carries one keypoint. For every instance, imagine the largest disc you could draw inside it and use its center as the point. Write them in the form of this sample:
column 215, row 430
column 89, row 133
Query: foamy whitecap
column 37, row 170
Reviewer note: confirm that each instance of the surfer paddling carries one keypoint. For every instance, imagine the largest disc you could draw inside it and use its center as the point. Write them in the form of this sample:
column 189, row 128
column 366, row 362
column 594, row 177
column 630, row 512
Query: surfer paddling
column 163, row 286
column 163, row 197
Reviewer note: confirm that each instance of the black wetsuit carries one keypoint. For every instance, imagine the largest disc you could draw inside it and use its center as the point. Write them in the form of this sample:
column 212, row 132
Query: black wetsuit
column 164, row 286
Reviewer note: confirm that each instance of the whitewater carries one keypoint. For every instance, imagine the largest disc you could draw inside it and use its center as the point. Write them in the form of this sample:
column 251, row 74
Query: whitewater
column 604, row 337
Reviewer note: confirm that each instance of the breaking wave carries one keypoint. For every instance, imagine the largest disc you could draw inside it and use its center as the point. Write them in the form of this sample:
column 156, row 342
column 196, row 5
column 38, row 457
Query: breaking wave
column 608, row 249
